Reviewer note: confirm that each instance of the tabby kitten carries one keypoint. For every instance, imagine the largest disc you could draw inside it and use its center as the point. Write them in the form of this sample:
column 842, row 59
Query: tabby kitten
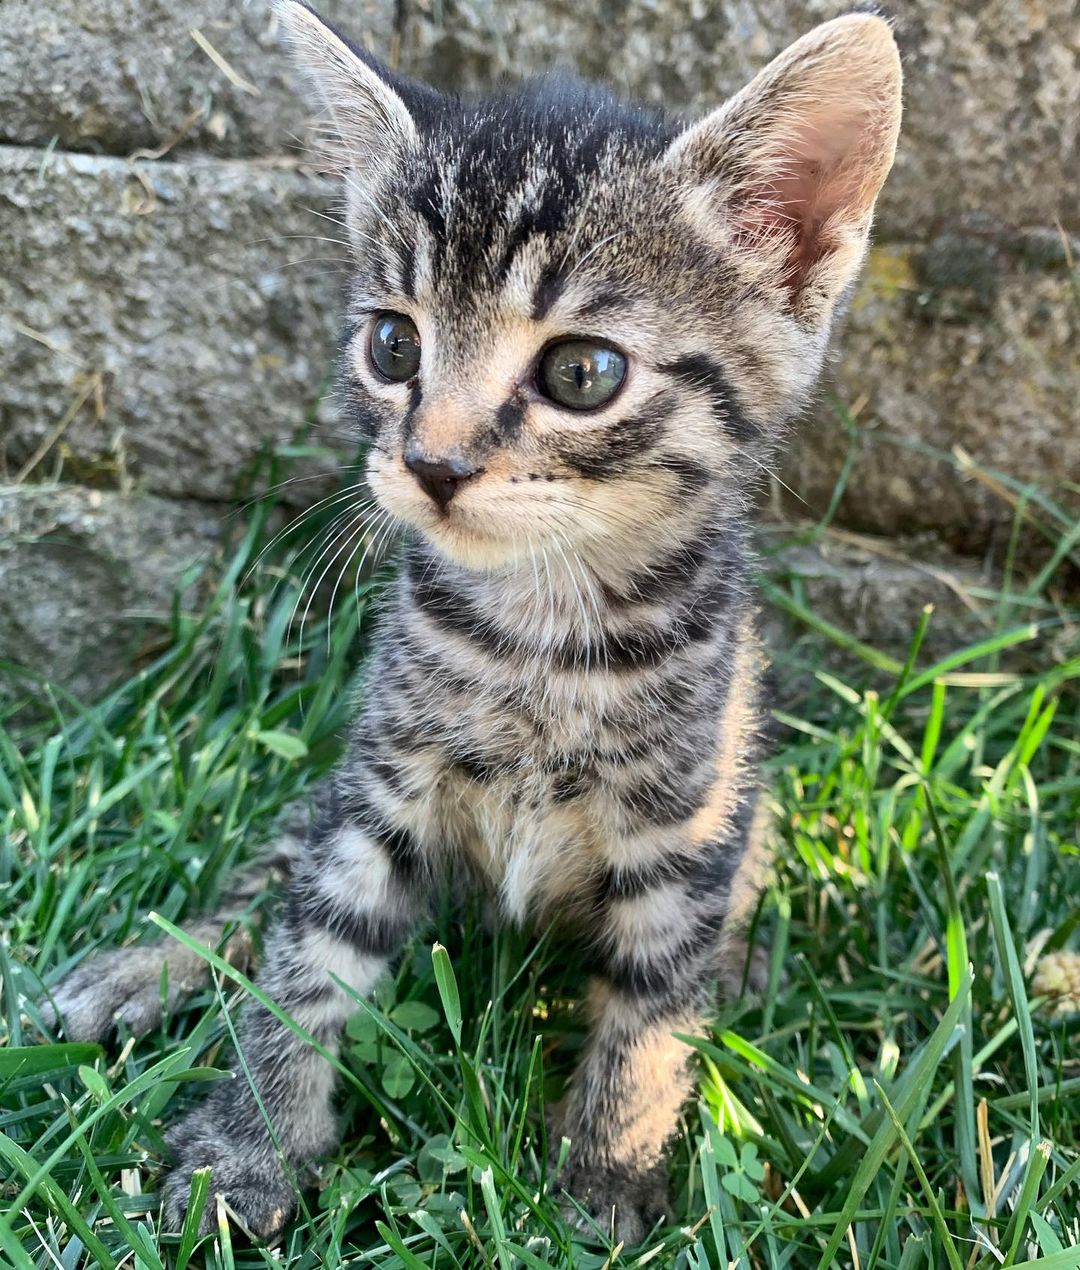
column 575, row 331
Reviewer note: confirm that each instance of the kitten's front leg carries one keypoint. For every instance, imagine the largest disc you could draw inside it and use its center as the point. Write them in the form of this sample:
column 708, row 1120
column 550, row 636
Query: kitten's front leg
column 352, row 901
column 655, row 964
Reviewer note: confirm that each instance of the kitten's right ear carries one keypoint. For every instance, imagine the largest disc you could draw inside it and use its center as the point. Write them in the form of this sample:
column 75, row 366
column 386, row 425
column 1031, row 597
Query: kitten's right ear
column 372, row 126
column 784, row 177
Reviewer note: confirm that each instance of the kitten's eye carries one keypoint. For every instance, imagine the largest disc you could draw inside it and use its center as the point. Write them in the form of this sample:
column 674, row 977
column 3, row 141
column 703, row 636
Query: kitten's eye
column 580, row 374
column 395, row 347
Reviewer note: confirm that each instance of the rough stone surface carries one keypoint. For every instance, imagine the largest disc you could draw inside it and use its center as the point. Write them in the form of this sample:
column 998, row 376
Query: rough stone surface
column 993, row 96
column 185, row 305
column 875, row 590
column 86, row 576
column 969, row 345
column 111, row 76
column 992, row 100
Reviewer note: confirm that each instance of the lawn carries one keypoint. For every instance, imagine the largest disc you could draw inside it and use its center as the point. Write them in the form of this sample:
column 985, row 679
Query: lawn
column 902, row 1096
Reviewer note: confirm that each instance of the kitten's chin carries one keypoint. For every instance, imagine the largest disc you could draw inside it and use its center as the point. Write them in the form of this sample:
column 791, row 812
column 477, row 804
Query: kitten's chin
column 482, row 555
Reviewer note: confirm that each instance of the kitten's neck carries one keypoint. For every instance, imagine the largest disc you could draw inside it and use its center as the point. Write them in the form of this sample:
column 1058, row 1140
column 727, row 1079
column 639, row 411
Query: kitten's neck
column 558, row 595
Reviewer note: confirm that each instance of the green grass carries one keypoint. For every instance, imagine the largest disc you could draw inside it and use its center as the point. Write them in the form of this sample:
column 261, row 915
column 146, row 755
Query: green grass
column 882, row 1106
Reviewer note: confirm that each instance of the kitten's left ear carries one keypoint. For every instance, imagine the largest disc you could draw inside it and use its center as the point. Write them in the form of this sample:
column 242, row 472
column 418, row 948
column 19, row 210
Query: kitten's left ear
column 785, row 175
column 373, row 128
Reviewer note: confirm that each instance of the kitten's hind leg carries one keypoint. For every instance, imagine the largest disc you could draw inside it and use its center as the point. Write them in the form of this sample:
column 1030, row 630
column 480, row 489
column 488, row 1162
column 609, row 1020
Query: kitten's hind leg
column 125, row 984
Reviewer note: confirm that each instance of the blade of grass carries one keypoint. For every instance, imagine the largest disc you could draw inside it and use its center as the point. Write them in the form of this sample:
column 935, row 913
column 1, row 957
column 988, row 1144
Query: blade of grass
column 921, row 1074
column 938, row 1218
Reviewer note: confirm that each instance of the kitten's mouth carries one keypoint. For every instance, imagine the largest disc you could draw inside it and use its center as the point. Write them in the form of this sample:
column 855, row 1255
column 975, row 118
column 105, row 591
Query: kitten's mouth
column 477, row 524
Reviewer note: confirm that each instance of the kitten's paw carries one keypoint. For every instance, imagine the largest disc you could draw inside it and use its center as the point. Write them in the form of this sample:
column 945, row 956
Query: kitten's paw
column 124, row 984
column 253, row 1183
column 633, row 1201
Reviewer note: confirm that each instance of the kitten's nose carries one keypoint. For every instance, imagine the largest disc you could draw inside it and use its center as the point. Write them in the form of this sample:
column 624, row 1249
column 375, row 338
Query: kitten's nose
column 441, row 478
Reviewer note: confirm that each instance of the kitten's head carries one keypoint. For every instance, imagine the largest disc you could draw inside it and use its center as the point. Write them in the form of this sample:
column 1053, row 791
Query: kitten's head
column 574, row 324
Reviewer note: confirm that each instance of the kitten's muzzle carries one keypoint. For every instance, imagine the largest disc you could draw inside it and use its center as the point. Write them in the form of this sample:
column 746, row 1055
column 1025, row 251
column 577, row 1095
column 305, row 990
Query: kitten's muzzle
column 440, row 478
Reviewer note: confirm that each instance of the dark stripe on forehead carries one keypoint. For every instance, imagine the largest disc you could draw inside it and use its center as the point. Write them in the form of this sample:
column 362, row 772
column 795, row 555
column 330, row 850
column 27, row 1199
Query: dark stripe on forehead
column 604, row 301
column 699, row 371
column 407, row 259
column 427, row 204
column 545, row 217
column 547, row 291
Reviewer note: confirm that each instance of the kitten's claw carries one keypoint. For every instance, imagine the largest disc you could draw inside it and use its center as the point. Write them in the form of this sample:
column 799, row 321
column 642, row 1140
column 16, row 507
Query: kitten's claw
column 251, row 1180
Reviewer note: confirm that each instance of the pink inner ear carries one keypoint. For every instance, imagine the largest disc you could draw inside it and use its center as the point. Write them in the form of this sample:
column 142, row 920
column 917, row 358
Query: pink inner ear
column 816, row 175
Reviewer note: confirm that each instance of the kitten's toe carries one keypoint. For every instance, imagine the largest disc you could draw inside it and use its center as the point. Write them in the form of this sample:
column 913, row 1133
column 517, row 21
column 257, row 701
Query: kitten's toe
column 251, row 1179
column 631, row 1201
column 123, row 984
column 118, row 984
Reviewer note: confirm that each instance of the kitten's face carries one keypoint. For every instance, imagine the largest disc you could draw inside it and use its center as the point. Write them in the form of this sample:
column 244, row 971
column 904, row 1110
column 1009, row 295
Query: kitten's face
column 540, row 371
column 574, row 328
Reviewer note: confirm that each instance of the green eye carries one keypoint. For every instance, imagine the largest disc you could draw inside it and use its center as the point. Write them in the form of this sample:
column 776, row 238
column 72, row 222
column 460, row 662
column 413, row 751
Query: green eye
column 580, row 375
column 395, row 347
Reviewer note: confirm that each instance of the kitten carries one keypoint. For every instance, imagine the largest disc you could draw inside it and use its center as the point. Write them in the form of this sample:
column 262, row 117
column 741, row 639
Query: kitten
column 574, row 334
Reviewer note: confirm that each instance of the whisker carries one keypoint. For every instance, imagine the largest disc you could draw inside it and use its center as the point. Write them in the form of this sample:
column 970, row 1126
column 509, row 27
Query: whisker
column 374, row 529
column 323, row 504
column 278, row 486
column 348, row 533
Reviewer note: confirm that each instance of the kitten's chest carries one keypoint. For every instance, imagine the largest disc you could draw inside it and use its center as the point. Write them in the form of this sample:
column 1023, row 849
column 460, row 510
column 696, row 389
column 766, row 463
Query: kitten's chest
column 496, row 779
column 521, row 807
column 512, row 740
column 534, row 848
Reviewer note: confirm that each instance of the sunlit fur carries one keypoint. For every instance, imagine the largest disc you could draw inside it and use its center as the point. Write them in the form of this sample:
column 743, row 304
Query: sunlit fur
column 562, row 704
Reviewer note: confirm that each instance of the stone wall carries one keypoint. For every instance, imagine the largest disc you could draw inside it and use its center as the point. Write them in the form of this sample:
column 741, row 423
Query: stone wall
column 168, row 291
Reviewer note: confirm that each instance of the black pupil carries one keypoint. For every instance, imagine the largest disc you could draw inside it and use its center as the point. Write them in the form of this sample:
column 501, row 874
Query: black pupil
column 395, row 347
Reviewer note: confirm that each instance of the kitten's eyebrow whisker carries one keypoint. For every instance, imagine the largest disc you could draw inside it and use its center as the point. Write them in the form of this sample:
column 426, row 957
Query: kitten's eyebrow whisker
column 344, row 224
column 334, row 220
column 619, row 233
column 274, row 238
column 287, row 264
column 363, row 194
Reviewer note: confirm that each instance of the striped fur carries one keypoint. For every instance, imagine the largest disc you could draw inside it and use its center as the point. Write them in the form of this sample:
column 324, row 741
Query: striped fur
column 563, row 703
